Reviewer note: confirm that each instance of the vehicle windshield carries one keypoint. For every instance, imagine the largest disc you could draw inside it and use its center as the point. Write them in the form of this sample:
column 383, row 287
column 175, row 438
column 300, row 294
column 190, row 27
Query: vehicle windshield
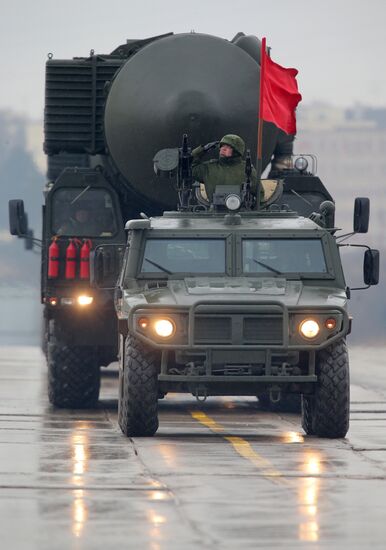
column 83, row 212
column 279, row 256
column 184, row 256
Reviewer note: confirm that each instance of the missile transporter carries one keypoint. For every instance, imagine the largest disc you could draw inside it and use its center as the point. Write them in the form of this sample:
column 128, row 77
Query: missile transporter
column 105, row 117
column 227, row 297
column 222, row 299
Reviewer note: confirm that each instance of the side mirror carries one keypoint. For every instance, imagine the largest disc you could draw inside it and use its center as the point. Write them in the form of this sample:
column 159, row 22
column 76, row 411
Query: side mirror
column 97, row 267
column 371, row 267
column 105, row 265
column 18, row 224
column 361, row 215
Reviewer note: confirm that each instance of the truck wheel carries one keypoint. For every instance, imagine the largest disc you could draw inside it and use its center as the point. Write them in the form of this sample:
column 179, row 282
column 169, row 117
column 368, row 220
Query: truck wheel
column 326, row 413
column 138, row 392
column 44, row 336
column 307, row 423
column 73, row 375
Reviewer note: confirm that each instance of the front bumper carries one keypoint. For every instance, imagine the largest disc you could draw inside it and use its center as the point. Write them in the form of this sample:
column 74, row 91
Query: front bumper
column 230, row 359
column 248, row 326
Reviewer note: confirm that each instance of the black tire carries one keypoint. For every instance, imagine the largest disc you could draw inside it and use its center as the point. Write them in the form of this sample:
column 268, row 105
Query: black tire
column 289, row 402
column 307, row 422
column 44, row 336
column 326, row 413
column 73, row 375
column 138, row 390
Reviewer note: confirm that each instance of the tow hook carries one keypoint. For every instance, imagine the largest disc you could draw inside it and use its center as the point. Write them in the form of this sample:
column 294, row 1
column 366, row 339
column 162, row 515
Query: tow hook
column 201, row 394
column 275, row 395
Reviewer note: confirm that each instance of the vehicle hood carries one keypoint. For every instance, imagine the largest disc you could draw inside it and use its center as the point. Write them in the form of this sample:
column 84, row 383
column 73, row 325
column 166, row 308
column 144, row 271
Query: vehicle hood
column 189, row 291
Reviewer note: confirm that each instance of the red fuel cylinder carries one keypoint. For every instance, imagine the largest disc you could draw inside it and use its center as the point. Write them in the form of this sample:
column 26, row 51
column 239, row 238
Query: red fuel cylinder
column 71, row 253
column 85, row 259
column 53, row 260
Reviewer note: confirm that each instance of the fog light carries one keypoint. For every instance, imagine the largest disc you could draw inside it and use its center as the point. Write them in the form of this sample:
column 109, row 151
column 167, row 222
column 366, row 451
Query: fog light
column 164, row 328
column 309, row 328
column 85, row 300
column 143, row 323
column 233, row 202
column 330, row 324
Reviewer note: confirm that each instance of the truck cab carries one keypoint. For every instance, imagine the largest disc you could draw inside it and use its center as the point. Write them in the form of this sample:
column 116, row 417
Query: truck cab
column 81, row 212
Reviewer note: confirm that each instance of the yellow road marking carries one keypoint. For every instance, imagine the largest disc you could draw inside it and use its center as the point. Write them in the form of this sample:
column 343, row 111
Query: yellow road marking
column 243, row 448
column 207, row 421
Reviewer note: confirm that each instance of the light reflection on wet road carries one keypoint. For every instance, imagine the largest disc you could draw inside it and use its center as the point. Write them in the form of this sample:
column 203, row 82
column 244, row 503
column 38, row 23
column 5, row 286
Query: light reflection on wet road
column 220, row 474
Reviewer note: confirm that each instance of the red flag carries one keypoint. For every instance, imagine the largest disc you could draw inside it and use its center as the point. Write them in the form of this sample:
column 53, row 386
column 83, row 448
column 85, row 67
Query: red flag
column 279, row 93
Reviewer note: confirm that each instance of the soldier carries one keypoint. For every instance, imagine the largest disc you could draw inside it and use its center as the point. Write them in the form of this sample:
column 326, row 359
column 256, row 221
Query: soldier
column 79, row 221
column 228, row 169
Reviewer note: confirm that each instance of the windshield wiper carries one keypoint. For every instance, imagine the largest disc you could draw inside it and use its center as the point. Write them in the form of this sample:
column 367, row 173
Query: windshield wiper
column 270, row 268
column 80, row 194
column 159, row 266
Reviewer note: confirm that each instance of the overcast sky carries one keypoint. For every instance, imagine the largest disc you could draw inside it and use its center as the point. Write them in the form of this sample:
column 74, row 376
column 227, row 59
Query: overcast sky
column 338, row 46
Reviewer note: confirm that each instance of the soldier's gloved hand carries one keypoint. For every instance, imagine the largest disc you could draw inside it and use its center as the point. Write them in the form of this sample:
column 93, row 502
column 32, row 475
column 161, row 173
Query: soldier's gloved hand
column 210, row 145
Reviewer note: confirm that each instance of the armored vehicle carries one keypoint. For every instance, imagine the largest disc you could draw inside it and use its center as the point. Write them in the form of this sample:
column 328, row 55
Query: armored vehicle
column 226, row 300
column 106, row 115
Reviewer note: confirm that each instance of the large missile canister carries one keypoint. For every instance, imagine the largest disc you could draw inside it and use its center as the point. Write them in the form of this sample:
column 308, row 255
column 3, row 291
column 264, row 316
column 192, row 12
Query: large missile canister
column 196, row 84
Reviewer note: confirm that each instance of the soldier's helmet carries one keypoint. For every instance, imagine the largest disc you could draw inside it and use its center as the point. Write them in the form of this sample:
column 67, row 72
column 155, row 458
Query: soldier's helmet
column 236, row 142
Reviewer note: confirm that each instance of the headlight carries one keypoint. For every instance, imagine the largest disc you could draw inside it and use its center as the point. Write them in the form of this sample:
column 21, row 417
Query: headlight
column 309, row 328
column 164, row 328
column 85, row 300
column 233, row 202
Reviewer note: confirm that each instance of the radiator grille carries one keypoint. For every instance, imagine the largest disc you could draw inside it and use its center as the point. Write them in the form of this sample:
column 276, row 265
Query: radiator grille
column 238, row 329
column 213, row 330
column 263, row 330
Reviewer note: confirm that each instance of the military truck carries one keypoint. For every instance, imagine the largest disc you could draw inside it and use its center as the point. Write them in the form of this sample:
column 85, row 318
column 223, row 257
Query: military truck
column 223, row 299
column 105, row 117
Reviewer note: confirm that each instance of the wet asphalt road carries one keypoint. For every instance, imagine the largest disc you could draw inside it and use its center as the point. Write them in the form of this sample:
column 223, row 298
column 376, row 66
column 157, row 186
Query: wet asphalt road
column 220, row 474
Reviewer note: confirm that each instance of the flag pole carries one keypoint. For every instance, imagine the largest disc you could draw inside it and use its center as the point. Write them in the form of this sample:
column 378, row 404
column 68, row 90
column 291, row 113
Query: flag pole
column 260, row 122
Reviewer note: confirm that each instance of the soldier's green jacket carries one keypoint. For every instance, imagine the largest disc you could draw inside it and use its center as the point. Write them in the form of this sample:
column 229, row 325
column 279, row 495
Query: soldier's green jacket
column 224, row 171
